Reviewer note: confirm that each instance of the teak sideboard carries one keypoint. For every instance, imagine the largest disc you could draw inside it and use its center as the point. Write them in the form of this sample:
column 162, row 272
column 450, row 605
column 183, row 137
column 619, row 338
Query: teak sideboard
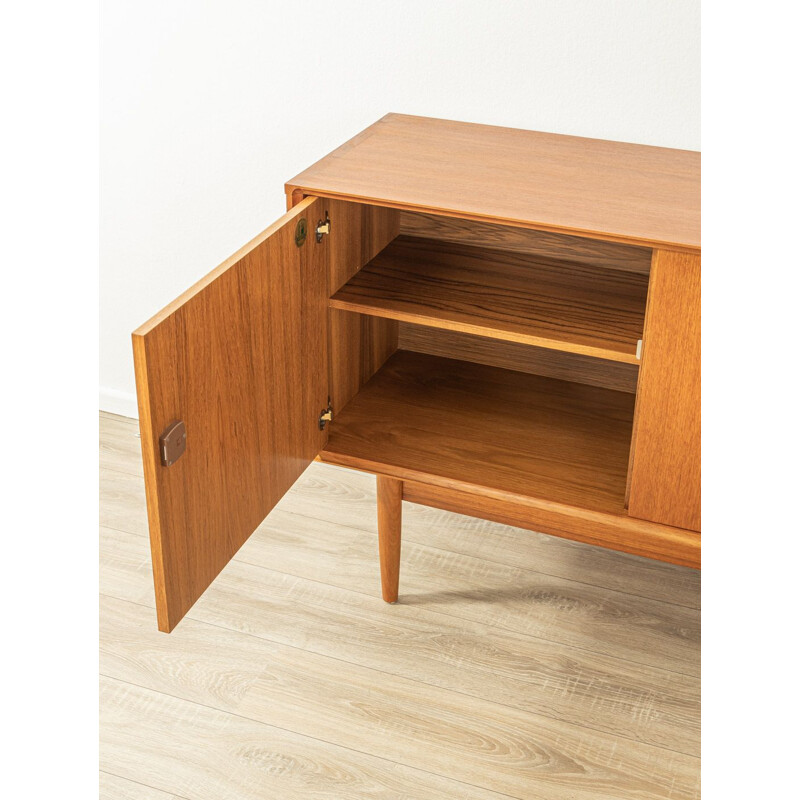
column 497, row 322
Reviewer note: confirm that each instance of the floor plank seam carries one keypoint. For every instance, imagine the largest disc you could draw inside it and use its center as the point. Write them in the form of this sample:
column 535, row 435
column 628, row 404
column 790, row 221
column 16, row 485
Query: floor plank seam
column 444, row 613
column 495, row 625
column 172, row 794
column 416, row 680
column 406, row 538
column 106, row 468
column 456, row 552
column 527, row 635
column 312, row 738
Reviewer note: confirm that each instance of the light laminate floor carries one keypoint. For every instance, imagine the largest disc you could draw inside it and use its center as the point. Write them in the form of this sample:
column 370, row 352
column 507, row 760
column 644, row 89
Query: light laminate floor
column 515, row 664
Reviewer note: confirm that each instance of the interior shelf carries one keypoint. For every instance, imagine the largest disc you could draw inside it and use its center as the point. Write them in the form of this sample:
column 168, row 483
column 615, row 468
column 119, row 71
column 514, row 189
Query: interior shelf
column 477, row 428
column 516, row 297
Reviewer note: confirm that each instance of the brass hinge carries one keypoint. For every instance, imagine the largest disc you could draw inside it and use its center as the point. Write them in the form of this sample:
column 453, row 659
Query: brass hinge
column 323, row 227
column 325, row 416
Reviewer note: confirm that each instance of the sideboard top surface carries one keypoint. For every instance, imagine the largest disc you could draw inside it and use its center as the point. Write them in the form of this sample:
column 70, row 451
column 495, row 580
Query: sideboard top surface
column 622, row 192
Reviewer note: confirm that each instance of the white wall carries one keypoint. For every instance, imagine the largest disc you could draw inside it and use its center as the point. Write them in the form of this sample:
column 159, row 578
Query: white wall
column 209, row 106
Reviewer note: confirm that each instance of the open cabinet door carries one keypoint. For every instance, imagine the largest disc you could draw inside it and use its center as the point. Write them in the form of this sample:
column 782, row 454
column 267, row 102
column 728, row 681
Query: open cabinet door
column 665, row 457
column 240, row 359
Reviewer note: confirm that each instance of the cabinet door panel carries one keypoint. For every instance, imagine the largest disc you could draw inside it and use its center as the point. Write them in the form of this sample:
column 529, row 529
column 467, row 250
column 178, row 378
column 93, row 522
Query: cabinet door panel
column 665, row 466
column 241, row 359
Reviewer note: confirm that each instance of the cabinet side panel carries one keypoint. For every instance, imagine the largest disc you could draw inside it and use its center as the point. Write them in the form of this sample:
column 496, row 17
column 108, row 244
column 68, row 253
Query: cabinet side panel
column 359, row 345
column 665, row 459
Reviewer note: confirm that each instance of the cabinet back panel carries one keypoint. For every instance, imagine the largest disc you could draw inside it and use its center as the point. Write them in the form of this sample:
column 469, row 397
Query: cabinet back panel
column 521, row 240
column 520, row 357
column 359, row 345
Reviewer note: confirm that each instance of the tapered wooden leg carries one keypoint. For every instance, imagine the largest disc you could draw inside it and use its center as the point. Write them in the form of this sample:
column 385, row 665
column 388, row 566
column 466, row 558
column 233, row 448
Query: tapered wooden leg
column 390, row 512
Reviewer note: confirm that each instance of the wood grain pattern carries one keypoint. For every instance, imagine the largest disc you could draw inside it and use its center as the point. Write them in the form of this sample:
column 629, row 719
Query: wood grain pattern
column 122, row 500
column 113, row 787
column 440, row 585
column 297, row 699
column 358, row 345
column 518, row 600
column 390, row 516
column 613, row 530
column 510, row 296
column 364, row 231
column 362, row 709
column 120, row 447
column 557, row 364
column 125, row 568
column 196, row 751
column 293, row 198
column 635, row 194
column 665, row 463
column 212, row 668
column 509, row 636
column 510, row 547
column 472, row 626
column 486, row 745
column 493, row 747
column 241, row 358
column 608, row 255
column 336, row 495
column 482, row 429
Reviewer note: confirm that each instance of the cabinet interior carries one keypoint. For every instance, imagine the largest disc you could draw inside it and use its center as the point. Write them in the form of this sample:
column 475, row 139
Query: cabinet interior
column 511, row 297
column 487, row 358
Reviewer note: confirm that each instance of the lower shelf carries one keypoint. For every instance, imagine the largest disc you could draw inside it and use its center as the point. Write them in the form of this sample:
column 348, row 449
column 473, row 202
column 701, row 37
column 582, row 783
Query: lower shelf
column 484, row 430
